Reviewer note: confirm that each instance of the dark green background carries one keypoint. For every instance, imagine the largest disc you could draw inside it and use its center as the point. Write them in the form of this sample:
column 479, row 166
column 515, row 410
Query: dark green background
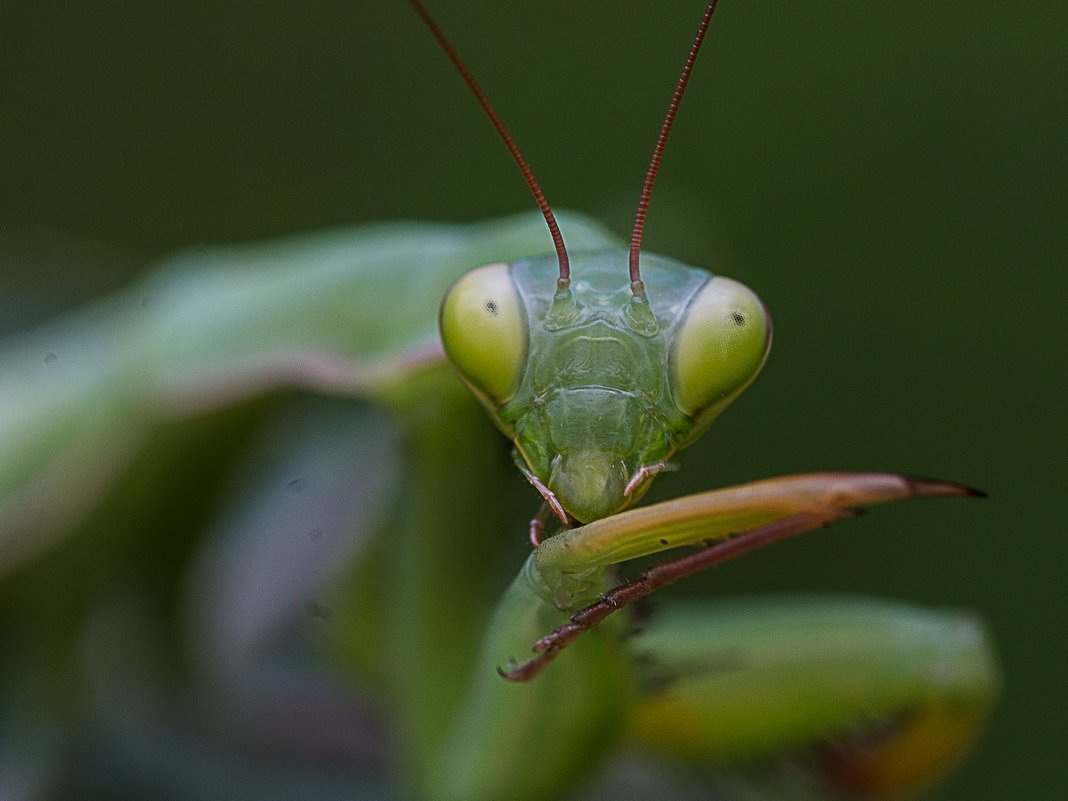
column 889, row 177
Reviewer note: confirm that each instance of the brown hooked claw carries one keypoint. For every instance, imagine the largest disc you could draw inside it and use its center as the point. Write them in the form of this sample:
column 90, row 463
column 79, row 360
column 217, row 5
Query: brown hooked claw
column 644, row 472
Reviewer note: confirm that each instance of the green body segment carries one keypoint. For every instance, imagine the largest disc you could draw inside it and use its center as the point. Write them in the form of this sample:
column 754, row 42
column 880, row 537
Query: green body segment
column 595, row 393
column 528, row 742
column 857, row 696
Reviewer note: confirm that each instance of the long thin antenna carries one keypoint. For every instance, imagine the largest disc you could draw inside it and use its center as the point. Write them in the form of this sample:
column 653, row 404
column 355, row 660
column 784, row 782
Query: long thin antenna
column 528, row 176
column 658, row 151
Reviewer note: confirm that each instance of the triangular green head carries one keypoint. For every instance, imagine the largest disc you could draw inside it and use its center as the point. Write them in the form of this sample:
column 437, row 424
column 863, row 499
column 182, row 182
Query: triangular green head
column 599, row 385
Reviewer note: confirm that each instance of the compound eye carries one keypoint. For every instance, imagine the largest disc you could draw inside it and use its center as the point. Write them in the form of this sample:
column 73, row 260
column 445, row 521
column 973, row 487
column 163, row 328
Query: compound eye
column 719, row 348
column 484, row 331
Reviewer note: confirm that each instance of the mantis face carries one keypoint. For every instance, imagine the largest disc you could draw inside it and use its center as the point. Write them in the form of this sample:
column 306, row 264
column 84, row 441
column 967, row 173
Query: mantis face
column 598, row 387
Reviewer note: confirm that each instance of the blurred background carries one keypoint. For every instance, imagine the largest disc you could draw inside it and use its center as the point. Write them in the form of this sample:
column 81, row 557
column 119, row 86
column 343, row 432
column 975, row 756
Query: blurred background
column 890, row 179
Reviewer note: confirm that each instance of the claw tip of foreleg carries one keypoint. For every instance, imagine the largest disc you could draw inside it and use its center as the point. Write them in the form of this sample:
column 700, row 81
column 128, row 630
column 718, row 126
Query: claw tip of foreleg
column 508, row 673
column 517, row 673
column 920, row 487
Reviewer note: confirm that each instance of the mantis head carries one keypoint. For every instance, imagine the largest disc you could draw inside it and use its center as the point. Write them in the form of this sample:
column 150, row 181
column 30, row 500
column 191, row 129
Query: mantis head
column 597, row 402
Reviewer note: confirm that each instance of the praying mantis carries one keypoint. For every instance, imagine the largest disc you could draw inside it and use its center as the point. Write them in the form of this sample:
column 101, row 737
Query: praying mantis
column 854, row 697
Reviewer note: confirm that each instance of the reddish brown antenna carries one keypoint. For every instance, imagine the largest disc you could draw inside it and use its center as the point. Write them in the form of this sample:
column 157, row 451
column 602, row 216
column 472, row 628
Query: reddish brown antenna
column 528, row 176
column 658, row 151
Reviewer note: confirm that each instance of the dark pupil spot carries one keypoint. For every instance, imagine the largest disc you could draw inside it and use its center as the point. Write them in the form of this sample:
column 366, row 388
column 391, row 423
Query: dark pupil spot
column 491, row 307
column 738, row 318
